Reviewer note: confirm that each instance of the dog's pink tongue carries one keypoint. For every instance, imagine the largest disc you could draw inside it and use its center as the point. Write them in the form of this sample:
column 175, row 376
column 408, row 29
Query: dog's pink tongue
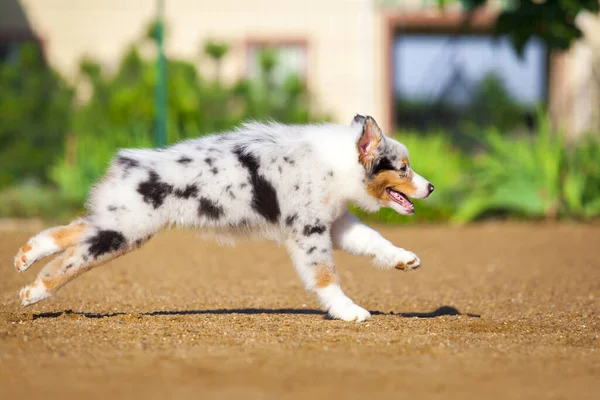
column 403, row 201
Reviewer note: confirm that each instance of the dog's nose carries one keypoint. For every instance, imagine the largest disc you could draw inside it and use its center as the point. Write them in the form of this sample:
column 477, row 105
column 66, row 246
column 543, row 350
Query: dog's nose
column 431, row 188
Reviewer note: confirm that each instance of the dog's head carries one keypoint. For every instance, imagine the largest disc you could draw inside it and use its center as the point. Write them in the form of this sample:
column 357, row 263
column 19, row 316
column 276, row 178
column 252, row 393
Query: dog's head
column 390, row 179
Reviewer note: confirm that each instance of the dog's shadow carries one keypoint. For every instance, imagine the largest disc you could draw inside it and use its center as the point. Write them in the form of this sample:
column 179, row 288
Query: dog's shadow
column 439, row 312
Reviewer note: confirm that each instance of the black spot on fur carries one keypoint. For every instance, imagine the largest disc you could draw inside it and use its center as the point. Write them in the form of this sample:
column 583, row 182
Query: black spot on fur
column 209, row 161
column 311, row 250
column 68, row 267
column 105, row 241
column 154, row 191
column 296, row 187
column 289, row 220
column 323, row 250
column 289, row 160
column 84, row 258
column 243, row 185
column 314, row 229
column 230, row 192
column 189, row 191
column 280, row 169
column 330, row 173
column 184, row 160
column 127, row 162
column 112, row 208
column 210, row 209
column 215, row 170
column 139, row 242
column 384, row 164
column 264, row 197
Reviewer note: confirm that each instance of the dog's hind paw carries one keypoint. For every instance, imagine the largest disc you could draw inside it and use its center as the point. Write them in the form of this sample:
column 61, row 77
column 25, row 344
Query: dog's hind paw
column 349, row 312
column 33, row 293
column 22, row 262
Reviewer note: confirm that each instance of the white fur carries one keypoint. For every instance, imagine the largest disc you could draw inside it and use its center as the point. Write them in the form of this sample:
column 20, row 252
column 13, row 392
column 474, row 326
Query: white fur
column 33, row 293
column 211, row 184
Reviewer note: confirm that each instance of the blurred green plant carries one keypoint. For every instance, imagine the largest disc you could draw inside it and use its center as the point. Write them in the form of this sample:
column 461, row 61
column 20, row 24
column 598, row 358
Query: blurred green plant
column 35, row 104
column 87, row 160
column 581, row 184
column 493, row 105
column 32, row 200
column 216, row 51
column 521, row 176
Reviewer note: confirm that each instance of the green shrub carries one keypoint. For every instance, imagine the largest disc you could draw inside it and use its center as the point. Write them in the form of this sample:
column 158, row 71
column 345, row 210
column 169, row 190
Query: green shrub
column 77, row 172
column 32, row 200
column 35, row 105
column 520, row 176
column 582, row 178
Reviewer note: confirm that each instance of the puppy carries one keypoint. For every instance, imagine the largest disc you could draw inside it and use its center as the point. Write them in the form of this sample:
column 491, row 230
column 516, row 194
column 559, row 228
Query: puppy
column 289, row 184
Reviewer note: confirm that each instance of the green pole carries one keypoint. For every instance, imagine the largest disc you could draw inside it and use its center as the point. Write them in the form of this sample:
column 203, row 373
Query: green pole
column 160, row 139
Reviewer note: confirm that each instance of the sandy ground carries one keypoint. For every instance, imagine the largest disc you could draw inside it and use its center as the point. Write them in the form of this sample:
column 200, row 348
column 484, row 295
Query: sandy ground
column 498, row 310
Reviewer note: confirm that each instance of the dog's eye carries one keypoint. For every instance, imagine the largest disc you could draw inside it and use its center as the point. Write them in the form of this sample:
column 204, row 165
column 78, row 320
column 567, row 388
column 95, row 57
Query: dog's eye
column 403, row 168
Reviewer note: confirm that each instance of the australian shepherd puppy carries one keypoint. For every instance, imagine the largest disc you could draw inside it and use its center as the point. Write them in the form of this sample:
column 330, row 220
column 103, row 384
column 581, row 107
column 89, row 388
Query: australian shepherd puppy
column 289, row 184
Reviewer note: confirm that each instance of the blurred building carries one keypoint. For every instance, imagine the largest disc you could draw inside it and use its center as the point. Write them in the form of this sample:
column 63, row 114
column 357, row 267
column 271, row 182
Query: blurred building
column 353, row 54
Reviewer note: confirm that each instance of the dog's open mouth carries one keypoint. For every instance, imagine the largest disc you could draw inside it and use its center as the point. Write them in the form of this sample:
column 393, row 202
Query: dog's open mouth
column 401, row 199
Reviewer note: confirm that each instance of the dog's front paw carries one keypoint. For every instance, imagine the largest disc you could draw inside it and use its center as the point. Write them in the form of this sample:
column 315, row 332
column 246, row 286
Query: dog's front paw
column 407, row 260
column 349, row 312
column 397, row 258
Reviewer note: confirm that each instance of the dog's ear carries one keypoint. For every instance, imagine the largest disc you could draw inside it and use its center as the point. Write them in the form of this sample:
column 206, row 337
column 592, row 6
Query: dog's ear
column 370, row 142
column 358, row 120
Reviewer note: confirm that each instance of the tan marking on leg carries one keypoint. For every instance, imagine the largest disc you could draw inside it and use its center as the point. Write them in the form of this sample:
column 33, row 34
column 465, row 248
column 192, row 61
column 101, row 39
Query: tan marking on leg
column 56, row 281
column 68, row 235
column 26, row 248
column 23, row 258
column 324, row 276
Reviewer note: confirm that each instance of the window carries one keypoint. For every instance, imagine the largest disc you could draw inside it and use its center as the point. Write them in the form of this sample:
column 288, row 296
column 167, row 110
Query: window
column 446, row 81
column 290, row 59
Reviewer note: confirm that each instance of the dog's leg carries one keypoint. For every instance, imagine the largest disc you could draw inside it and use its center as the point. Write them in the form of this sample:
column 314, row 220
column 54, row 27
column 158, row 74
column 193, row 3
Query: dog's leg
column 48, row 242
column 311, row 255
column 73, row 262
column 351, row 235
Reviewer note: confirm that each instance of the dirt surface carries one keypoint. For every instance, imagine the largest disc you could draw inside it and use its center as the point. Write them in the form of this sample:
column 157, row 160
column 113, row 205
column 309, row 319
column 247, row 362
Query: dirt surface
column 498, row 310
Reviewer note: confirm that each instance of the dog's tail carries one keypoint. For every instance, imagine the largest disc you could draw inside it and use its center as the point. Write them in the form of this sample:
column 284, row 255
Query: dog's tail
column 50, row 241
